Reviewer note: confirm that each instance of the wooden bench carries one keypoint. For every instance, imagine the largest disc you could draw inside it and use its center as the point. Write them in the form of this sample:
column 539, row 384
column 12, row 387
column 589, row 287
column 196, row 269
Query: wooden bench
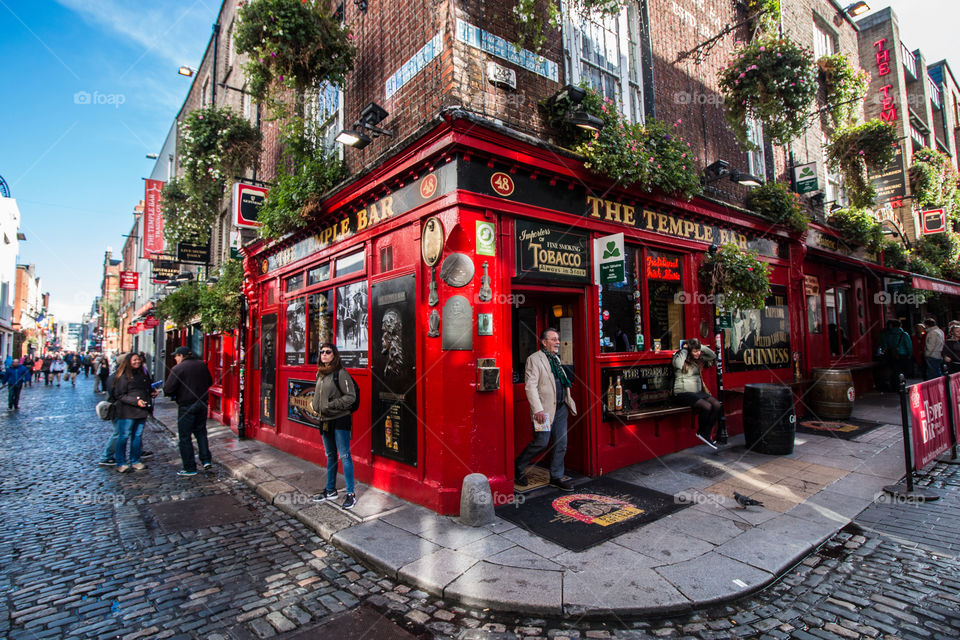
column 623, row 417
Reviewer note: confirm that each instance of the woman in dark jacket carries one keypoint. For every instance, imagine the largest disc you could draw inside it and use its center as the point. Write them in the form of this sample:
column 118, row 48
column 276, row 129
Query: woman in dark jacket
column 332, row 398
column 132, row 394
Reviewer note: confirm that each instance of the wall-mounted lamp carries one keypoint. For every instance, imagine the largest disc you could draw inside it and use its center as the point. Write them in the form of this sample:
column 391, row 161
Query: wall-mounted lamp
column 857, row 8
column 575, row 115
column 557, row 310
column 355, row 137
column 186, row 71
column 721, row 169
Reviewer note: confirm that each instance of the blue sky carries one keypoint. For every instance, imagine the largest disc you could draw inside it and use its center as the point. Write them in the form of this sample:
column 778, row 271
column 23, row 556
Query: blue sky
column 90, row 87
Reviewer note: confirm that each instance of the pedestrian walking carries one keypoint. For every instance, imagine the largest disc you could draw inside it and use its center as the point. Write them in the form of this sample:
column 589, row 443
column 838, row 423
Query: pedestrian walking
column 103, row 370
column 132, row 393
column 333, row 400
column 188, row 382
column 57, row 368
column 45, row 368
column 14, row 377
column 933, row 349
column 37, row 368
column 87, row 364
column 73, row 369
column 27, row 362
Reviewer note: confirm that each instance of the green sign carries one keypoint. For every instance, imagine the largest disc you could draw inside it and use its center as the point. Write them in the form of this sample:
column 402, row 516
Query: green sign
column 611, row 272
column 609, row 251
column 805, row 177
column 486, row 239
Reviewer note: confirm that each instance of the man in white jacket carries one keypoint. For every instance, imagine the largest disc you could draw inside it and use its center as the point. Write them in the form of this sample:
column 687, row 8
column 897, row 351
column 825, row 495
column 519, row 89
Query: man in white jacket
column 548, row 390
column 933, row 349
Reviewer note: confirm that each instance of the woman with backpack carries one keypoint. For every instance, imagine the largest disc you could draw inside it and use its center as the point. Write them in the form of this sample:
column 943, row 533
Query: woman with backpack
column 688, row 389
column 334, row 400
column 132, row 395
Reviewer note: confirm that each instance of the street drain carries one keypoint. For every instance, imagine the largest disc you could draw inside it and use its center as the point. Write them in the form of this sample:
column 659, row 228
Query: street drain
column 198, row 513
column 362, row 623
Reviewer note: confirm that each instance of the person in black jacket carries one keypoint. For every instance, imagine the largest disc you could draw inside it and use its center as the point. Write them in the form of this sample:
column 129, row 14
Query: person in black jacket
column 188, row 382
column 131, row 392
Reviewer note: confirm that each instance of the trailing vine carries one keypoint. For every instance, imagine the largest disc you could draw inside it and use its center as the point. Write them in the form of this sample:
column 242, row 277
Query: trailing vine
column 772, row 81
column 856, row 148
column 933, row 181
column 942, row 252
column 215, row 145
column 846, row 84
column 650, row 155
column 182, row 305
column 776, row 201
column 296, row 43
column 740, row 277
column 216, row 305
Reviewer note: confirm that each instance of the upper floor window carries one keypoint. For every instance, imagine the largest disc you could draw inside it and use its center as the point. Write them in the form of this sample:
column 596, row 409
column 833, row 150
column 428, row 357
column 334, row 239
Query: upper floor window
column 756, row 160
column 834, row 190
column 329, row 115
column 603, row 51
column 823, row 41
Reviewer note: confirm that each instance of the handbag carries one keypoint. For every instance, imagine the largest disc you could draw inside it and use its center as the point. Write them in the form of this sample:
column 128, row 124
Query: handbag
column 106, row 410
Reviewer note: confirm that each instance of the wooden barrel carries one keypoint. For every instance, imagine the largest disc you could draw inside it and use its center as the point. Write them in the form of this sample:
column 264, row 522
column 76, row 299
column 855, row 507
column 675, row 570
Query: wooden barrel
column 831, row 396
column 769, row 422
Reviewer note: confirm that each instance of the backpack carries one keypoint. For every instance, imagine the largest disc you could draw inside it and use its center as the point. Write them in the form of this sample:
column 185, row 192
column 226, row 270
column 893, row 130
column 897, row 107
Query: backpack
column 356, row 397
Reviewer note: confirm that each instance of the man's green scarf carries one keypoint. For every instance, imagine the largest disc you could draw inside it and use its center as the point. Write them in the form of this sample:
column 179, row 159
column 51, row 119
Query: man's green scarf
column 557, row 370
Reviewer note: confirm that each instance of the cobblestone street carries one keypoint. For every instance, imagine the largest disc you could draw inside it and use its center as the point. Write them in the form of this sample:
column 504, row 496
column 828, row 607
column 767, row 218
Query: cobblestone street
column 90, row 553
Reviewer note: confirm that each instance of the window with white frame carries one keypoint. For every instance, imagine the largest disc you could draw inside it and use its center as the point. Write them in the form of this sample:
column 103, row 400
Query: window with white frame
column 823, row 41
column 757, row 166
column 329, row 115
column 833, row 190
column 604, row 52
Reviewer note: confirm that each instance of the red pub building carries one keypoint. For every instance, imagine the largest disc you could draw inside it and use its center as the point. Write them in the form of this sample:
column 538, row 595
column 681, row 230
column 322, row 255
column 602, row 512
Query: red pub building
column 466, row 234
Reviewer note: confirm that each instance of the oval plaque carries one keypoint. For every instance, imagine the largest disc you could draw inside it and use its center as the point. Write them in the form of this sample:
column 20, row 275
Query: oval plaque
column 431, row 241
column 457, row 270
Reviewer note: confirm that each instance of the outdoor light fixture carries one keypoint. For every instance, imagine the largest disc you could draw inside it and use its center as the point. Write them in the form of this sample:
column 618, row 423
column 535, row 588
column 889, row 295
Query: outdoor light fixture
column 721, row 169
column 575, row 115
column 856, row 8
column 186, row 71
column 356, row 137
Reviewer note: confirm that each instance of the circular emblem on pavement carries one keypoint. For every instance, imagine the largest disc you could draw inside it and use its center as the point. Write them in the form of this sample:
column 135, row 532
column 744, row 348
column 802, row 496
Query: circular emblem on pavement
column 502, row 184
column 595, row 509
column 428, row 186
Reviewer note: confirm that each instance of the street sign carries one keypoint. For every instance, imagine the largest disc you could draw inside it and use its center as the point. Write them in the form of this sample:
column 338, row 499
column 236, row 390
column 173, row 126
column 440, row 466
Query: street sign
column 247, row 200
column 610, row 257
column 933, row 221
column 129, row 280
column 805, row 178
column 195, row 253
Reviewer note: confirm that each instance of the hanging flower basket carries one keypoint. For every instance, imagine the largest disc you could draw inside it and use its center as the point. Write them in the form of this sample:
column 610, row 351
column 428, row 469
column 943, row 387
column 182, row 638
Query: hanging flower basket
column 857, row 227
column 846, row 84
column 294, row 42
column 775, row 201
column 651, row 155
column 772, row 81
column 855, row 149
column 737, row 278
column 933, row 181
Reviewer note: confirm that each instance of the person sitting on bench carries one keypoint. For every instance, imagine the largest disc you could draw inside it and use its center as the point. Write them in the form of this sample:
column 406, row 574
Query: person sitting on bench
column 688, row 388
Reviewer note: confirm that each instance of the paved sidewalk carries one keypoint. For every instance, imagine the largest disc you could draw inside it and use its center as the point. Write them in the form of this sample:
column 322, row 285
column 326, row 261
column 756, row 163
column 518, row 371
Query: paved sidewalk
column 710, row 552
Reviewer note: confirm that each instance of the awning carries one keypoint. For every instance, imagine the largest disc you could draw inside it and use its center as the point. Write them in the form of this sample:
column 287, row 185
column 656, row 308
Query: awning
column 935, row 284
column 144, row 310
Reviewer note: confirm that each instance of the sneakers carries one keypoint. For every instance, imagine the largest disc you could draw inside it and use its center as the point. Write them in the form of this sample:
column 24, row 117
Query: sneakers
column 139, row 466
column 326, row 494
column 561, row 483
column 123, row 468
column 207, row 466
column 349, row 501
column 710, row 443
column 107, row 463
column 184, row 472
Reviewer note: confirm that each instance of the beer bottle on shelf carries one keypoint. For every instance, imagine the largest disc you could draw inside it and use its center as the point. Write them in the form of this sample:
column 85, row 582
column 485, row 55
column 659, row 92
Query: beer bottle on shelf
column 611, row 397
column 618, row 395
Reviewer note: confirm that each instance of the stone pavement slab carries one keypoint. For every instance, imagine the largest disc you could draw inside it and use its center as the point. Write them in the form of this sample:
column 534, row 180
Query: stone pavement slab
column 511, row 588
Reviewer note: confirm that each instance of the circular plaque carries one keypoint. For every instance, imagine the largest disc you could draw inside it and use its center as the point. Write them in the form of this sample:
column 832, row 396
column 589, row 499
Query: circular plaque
column 431, row 241
column 457, row 270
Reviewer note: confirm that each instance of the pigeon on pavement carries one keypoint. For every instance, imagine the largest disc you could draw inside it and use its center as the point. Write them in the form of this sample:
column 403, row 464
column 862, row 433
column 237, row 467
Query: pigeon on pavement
column 745, row 502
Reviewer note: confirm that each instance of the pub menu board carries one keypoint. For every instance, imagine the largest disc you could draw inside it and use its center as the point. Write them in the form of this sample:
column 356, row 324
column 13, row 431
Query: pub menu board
column 890, row 181
column 759, row 338
column 643, row 386
column 393, row 369
column 299, row 399
column 547, row 252
column 268, row 368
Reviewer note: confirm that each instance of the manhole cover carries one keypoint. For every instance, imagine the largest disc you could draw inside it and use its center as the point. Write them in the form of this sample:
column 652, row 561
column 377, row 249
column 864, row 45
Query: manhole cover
column 707, row 471
column 363, row 623
column 198, row 513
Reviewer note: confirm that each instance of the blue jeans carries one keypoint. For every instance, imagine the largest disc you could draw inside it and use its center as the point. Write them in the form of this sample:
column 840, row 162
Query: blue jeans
column 13, row 396
column 934, row 368
column 337, row 441
column 128, row 428
column 111, row 450
column 558, row 432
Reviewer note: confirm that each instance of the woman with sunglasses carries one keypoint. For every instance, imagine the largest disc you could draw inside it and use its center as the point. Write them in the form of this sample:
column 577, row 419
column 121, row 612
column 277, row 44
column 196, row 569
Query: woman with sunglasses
column 332, row 399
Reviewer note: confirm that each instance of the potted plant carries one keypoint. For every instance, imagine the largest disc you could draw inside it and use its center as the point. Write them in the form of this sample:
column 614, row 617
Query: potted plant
column 775, row 201
column 856, row 148
column 738, row 278
column 895, row 255
column 846, row 84
column 296, row 43
column 772, row 81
